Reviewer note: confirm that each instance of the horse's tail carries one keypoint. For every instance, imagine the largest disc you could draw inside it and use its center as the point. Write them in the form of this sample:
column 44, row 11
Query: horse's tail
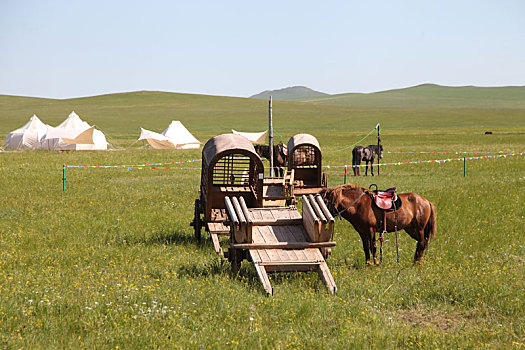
column 431, row 227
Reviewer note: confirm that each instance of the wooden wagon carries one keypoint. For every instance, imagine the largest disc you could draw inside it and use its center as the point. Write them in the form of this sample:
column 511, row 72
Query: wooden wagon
column 305, row 160
column 280, row 239
column 230, row 168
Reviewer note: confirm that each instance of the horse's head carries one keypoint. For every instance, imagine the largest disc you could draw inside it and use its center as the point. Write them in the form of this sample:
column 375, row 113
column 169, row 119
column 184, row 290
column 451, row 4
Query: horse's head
column 327, row 195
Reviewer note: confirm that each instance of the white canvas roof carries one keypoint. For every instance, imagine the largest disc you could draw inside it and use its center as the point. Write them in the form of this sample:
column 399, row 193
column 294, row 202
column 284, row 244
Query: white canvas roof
column 174, row 136
column 155, row 139
column 254, row 137
column 74, row 134
column 28, row 136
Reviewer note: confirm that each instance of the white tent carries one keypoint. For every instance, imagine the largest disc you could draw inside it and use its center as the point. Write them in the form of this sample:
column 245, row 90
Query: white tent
column 28, row 136
column 175, row 136
column 74, row 134
column 254, row 137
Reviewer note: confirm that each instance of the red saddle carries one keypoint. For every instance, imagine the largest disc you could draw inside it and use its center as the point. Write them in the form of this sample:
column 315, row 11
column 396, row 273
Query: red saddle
column 385, row 199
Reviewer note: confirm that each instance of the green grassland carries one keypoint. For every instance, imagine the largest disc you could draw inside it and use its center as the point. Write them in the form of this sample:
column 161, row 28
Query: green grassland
column 112, row 262
column 432, row 96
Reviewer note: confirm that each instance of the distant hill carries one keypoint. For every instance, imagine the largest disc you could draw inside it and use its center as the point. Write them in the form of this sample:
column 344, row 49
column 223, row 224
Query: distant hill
column 431, row 96
column 120, row 116
column 288, row 93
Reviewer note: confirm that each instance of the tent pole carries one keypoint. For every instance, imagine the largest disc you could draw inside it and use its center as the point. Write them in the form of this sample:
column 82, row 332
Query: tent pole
column 270, row 135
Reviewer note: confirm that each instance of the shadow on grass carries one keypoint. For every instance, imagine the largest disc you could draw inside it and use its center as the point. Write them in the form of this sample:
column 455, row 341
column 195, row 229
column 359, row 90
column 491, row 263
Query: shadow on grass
column 167, row 237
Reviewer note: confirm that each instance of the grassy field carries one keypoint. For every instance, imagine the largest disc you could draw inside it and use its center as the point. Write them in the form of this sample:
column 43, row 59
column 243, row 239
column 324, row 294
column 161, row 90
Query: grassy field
column 112, row 262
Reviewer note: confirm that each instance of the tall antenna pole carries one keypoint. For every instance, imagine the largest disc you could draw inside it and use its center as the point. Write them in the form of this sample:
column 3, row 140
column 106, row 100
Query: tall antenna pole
column 270, row 135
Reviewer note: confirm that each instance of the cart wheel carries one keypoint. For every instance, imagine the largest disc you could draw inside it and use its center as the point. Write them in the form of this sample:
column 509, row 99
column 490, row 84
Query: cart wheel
column 324, row 181
column 197, row 223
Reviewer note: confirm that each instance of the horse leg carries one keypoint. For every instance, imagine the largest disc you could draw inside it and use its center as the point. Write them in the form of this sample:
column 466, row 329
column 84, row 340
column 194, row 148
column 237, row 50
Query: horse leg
column 366, row 168
column 422, row 243
column 365, row 238
column 373, row 246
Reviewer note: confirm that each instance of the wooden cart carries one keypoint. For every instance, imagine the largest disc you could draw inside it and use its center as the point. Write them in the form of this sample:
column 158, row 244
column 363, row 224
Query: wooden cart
column 230, row 168
column 305, row 159
column 280, row 239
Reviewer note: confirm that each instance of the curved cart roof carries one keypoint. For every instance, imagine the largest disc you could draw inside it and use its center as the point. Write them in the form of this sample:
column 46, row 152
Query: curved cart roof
column 302, row 139
column 227, row 142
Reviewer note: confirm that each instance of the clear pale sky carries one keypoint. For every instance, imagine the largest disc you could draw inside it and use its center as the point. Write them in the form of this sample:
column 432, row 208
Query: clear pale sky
column 70, row 48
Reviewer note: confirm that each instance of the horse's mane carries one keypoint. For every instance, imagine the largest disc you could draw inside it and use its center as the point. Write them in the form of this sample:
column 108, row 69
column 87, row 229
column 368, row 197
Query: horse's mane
column 335, row 193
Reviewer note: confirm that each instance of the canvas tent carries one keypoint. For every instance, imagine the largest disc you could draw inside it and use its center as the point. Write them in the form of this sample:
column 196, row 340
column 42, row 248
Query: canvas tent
column 175, row 136
column 254, row 137
column 74, row 134
column 28, row 136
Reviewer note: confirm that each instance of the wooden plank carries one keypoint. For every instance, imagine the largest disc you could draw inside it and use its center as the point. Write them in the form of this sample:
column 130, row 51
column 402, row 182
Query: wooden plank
column 294, row 214
column 278, row 222
column 300, row 254
column 287, row 234
column 269, row 236
column 256, row 215
column 283, row 245
column 317, row 209
column 292, row 267
column 279, row 234
column 257, row 236
column 312, row 255
column 273, row 255
column 267, row 215
column 263, row 277
column 326, row 277
column 296, row 234
column 263, row 255
column 256, row 257
column 218, row 228
column 310, row 221
column 293, row 254
column 283, row 255
column 216, row 244
column 325, row 210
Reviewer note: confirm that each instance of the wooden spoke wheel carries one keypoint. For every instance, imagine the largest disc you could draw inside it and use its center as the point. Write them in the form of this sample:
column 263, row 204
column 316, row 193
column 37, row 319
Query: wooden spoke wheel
column 197, row 222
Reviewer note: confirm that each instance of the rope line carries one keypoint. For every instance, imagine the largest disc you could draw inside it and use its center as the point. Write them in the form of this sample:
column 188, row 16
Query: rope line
column 345, row 148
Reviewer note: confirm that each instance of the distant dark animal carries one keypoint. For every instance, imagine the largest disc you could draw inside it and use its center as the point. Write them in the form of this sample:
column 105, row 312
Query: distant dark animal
column 280, row 159
column 488, row 132
column 367, row 154
column 354, row 203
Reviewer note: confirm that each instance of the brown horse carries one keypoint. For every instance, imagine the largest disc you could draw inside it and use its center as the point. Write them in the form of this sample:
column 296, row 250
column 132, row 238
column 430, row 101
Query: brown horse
column 354, row 203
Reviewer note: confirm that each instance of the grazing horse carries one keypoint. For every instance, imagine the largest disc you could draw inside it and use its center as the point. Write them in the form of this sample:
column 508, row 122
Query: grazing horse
column 280, row 159
column 354, row 203
column 367, row 154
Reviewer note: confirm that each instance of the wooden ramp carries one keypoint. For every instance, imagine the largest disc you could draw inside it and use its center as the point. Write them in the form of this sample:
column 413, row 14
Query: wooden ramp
column 281, row 239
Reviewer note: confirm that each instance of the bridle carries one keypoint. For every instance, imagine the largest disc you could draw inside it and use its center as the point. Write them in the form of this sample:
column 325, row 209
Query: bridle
column 339, row 212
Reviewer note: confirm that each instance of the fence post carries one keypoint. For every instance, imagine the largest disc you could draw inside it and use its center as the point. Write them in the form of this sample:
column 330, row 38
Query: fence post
column 63, row 177
column 346, row 169
column 464, row 166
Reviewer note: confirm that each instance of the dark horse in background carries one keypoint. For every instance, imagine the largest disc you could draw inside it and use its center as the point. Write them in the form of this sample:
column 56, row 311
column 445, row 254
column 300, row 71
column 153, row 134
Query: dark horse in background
column 354, row 203
column 367, row 154
column 280, row 159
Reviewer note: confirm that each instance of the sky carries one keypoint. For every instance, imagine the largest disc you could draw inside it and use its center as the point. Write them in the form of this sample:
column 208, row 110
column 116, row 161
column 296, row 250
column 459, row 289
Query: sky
column 64, row 49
